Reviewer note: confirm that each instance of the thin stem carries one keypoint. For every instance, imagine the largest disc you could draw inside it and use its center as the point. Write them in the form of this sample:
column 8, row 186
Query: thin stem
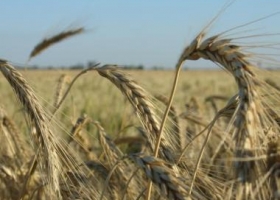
column 127, row 184
column 200, row 157
column 70, row 86
column 31, row 170
column 109, row 177
column 178, row 69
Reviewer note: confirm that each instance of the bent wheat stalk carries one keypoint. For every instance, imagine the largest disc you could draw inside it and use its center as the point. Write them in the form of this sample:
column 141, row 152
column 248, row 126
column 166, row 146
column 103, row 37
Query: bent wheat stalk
column 221, row 51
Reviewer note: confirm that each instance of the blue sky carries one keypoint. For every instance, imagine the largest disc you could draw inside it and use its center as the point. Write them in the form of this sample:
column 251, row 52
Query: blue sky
column 147, row 32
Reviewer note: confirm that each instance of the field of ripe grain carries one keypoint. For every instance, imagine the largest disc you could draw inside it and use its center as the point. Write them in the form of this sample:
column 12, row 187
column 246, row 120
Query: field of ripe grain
column 109, row 133
column 93, row 145
column 101, row 100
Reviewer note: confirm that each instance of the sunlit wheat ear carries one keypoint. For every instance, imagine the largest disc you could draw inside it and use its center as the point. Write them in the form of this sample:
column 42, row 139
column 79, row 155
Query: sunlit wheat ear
column 47, row 42
column 246, row 118
column 45, row 138
column 138, row 98
column 62, row 81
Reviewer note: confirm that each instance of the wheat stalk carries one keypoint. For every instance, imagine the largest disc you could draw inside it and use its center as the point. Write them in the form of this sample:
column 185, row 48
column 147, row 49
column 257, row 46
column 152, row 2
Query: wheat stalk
column 59, row 103
column 179, row 137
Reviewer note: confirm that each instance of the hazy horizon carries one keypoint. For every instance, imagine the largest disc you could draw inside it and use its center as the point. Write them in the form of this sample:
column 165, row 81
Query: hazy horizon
column 149, row 33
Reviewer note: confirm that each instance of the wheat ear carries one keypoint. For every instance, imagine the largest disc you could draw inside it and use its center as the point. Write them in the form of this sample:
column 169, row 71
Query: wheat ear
column 163, row 177
column 45, row 137
column 63, row 79
column 19, row 147
column 113, row 154
column 229, row 56
column 46, row 43
column 138, row 98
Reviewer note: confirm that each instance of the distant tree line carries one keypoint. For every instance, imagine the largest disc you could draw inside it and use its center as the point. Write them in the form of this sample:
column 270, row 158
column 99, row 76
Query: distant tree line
column 80, row 66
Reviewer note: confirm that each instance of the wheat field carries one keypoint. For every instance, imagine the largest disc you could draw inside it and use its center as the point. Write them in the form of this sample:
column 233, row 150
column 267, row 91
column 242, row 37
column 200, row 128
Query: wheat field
column 109, row 133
